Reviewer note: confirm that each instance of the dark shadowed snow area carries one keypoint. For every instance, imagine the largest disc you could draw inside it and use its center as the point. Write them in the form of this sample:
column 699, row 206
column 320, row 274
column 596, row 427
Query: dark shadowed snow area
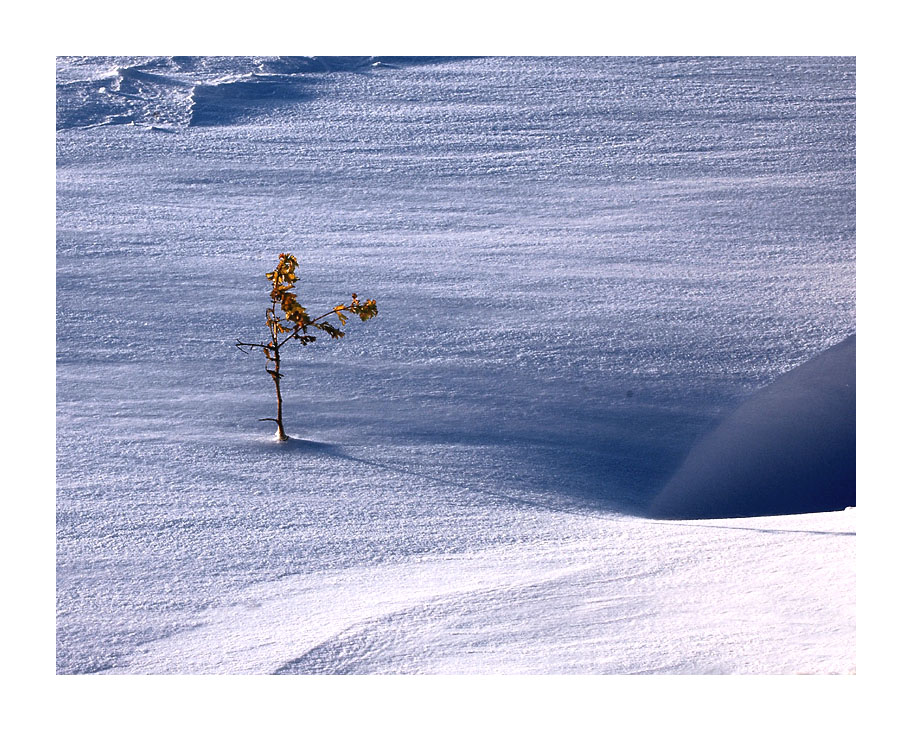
column 791, row 448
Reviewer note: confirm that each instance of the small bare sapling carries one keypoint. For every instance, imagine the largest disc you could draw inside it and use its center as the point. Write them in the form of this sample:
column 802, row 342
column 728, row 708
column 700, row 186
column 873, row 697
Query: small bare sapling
column 288, row 321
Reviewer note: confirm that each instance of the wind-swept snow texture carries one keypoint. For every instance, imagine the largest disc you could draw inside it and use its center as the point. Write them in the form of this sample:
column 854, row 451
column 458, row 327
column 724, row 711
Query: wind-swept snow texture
column 582, row 266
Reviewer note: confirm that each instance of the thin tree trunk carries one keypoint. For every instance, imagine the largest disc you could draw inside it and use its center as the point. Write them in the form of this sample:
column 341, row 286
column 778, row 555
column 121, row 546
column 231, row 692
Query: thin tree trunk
column 280, row 433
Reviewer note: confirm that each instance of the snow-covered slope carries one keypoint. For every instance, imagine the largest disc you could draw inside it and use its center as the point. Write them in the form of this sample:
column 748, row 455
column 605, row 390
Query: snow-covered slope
column 620, row 596
column 790, row 448
column 582, row 265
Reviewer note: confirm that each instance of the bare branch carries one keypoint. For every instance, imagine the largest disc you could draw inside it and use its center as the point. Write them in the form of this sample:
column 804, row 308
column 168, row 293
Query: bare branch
column 292, row 335
column 250, row 346
column 334, row 310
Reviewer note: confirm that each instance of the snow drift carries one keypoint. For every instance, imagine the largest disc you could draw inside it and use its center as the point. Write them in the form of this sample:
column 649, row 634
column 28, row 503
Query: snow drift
column 791, row 448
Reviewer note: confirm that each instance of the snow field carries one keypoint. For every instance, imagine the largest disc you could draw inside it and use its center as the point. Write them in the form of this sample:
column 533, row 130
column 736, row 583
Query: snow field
column 581, row 266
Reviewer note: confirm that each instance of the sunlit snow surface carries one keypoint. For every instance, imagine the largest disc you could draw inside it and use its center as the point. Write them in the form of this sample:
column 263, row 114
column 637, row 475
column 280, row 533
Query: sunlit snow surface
column 581, row 265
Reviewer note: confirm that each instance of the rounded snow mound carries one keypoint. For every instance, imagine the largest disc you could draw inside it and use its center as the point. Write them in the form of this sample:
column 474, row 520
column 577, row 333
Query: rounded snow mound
column 791, row 448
